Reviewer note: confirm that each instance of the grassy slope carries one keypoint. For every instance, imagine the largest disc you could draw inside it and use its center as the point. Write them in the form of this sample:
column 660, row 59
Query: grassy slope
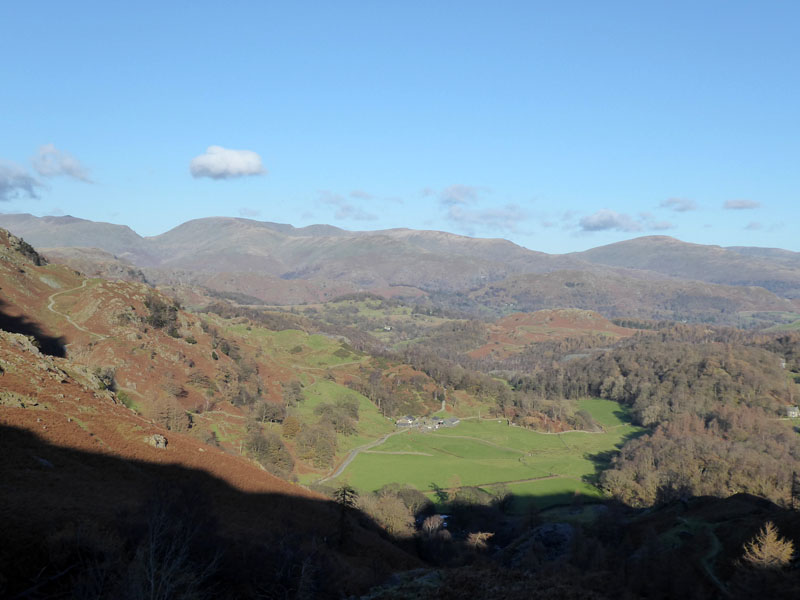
column 309, row 357
column 371, row 424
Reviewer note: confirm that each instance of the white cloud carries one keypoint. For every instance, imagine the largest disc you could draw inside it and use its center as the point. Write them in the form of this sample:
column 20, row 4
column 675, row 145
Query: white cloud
column 49, row 161
column 754, row 226
column 223, row 163
column 361, row 195
column 678, row 204
column 741, row 204
column 249, row 212
column 607, row 220
column 16, row 182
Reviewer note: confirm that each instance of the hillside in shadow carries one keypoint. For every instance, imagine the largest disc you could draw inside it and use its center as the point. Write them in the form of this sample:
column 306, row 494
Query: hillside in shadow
column 48, row 344
column 89, row 525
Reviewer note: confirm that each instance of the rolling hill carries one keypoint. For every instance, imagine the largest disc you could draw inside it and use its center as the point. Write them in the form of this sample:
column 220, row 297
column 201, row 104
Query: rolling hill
column 618, row 295
column 775, row 270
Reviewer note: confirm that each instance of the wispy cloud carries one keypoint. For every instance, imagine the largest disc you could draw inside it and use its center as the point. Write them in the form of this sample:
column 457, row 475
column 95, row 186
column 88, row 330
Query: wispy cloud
column 249, row 212
column 427, row 192
column 49, row 161
column 741, row 204
column 609, row 220
column 224, row 163
column 659, row 225
column 361, row 195
column 344, row 209
column 459, row 194
column 462, row 206
column 565, row 220
column 754, row 226
column 678, row 204
column 16, row 182
column 505, row 218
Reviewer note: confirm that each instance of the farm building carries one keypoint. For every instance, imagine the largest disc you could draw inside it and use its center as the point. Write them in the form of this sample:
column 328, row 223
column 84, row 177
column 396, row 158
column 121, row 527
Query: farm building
column 406, row 421
column 792, row 412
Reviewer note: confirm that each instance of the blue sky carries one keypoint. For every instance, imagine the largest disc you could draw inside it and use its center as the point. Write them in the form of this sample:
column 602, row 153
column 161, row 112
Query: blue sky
column 558, row 125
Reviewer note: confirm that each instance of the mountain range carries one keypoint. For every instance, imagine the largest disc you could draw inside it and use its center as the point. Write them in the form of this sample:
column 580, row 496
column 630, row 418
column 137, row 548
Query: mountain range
column 281, row 264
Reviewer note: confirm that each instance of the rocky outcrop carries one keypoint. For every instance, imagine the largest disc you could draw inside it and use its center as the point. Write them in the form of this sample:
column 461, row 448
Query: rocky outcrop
column 157, row 441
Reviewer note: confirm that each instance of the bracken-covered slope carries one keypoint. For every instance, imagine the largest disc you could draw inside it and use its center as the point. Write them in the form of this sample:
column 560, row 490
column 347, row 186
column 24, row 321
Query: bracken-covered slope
column 510, row 335
column 83, row 477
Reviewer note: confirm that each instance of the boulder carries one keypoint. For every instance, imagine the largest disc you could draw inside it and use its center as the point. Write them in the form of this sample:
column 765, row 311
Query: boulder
column 157, row 441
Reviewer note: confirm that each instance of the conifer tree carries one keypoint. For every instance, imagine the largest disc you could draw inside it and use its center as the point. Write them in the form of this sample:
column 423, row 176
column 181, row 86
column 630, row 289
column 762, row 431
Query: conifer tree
column 767, row 550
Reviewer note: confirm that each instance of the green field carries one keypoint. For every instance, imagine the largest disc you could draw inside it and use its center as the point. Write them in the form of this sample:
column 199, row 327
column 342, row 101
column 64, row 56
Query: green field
column 539, row 468
column 793, row 326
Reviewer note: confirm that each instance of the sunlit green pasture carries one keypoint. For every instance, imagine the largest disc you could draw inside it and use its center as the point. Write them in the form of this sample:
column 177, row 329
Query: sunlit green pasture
column 545, row 469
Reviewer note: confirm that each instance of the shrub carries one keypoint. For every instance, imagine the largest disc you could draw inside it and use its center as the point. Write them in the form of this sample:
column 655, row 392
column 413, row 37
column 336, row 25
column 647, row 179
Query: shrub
column 270, row 451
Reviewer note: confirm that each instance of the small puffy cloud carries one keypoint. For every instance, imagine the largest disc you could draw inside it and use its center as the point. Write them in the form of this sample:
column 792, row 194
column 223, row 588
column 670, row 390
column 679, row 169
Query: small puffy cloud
column 754, row 226
column 49, row 161
column 678, row 204
column 609, row 220
column 16, row 182
column 344, row 209
column 224, row 163
column 741, row 204
column 249, row 212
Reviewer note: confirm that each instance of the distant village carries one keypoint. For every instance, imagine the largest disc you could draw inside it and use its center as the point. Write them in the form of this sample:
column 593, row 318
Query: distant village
column 425, row 423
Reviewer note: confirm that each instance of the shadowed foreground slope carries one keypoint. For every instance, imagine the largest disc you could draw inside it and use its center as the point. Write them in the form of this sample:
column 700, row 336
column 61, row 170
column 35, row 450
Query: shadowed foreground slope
column 87, row 525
